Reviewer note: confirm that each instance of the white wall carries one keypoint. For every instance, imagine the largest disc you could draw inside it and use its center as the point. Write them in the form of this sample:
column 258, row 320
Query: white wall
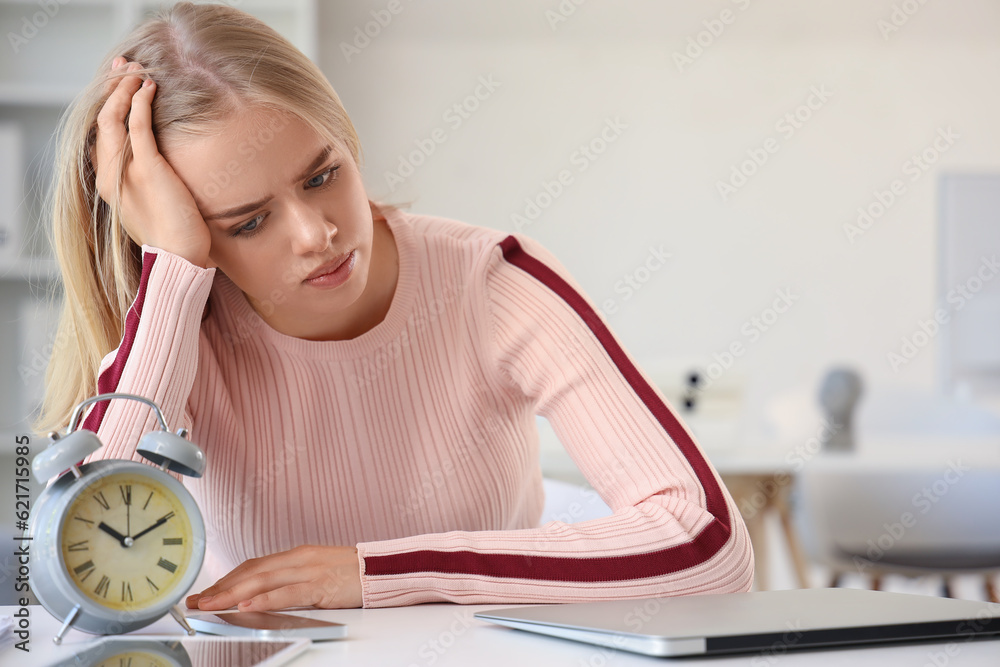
column 656, row 185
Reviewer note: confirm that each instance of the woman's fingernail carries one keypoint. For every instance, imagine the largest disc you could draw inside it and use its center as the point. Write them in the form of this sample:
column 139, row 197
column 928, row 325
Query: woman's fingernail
column 207, row 598
column 147, row 83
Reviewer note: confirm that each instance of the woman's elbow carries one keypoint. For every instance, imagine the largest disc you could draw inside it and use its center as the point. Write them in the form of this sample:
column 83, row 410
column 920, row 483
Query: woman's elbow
column 737, row 564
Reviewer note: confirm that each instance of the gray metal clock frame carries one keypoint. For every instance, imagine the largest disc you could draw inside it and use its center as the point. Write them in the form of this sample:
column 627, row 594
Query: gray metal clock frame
column 50, row 579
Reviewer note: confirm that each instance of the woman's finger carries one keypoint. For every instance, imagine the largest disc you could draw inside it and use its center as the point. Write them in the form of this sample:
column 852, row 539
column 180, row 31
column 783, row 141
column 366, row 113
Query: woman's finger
column 247, row 588
column 113, row 80
column 111, row 118
column 302, row 594
column 111, row 133
column 140, row 122
column 239, row 574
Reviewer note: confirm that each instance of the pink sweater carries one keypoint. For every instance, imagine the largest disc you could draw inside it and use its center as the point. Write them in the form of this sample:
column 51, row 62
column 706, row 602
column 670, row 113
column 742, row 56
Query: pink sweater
column 416, row 441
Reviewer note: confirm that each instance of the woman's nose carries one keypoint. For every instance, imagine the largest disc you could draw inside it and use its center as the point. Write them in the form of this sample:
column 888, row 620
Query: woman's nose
column 311, row 231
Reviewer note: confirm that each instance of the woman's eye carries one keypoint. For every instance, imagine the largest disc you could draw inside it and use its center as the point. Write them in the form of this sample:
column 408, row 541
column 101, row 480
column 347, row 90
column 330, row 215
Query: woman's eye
column 319, row 180
column 249, row 227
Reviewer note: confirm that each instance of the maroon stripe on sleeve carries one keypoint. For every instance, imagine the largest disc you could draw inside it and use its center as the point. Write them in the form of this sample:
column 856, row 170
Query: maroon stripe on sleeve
column 112, row 375
column 613, row 568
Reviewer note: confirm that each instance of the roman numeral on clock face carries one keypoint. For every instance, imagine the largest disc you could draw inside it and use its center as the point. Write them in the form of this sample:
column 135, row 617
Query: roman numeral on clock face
column 79, row 546
column 101, row 500
column 153, row 587
column 167, row 565
column 102, row 586
column 173, row 541
column 83, row 567
column 126, row 490
column 127, row 592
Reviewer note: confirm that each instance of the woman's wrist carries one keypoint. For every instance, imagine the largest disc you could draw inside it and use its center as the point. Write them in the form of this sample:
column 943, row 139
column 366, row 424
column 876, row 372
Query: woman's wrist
column 200, row 260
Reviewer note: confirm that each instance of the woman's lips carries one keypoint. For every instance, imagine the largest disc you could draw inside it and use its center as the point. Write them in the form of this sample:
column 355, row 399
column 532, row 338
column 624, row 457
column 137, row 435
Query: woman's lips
column 333, row 275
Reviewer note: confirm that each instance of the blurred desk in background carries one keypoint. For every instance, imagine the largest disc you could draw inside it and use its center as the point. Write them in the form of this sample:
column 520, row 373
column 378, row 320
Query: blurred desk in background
column 761, row 483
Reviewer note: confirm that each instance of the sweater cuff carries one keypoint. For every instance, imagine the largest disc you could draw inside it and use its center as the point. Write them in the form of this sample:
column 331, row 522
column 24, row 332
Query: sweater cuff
column 364, row 579
column 153, row 250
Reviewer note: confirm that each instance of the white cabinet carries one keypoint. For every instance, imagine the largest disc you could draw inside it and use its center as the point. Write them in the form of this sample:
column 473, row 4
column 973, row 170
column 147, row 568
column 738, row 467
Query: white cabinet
column 52, row 50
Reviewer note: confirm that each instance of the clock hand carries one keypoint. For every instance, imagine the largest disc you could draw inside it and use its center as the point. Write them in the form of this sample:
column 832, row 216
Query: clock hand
column 113, row 533
column 162, row 520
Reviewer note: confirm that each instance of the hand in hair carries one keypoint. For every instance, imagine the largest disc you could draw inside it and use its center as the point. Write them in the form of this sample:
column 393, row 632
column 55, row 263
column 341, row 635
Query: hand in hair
column 306, row 576
column 157, row 209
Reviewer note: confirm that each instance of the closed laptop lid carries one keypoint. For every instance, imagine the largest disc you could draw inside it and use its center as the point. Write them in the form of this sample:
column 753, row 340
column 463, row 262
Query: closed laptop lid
column 747, row 622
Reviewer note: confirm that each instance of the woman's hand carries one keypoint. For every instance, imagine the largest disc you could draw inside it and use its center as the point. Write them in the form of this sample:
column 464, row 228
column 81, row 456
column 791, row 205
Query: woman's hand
column 323, row 577
column 157, row 208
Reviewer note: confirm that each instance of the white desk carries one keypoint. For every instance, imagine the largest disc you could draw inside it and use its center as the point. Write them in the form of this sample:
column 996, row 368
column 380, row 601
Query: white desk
column 444, row 634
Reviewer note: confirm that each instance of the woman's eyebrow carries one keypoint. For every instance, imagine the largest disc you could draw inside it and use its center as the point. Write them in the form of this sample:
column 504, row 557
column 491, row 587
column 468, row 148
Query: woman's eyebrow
column 243, row 209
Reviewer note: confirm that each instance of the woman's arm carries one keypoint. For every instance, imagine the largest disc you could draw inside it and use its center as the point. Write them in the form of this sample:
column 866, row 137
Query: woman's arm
column 157, row 355
column 675, row 529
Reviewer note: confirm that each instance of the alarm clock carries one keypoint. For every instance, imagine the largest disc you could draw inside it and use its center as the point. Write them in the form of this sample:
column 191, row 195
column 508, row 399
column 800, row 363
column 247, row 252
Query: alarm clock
column 115, row 544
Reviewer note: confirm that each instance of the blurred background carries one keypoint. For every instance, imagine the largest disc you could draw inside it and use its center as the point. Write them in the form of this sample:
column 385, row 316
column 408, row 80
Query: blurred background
column 754, row 194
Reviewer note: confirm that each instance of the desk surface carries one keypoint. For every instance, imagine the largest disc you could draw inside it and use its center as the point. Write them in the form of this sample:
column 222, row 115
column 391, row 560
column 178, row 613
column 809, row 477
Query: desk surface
column 445, row 634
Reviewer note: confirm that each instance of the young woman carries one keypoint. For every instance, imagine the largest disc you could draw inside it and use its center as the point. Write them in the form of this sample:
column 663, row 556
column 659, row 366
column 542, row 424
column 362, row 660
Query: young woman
column 364, row 381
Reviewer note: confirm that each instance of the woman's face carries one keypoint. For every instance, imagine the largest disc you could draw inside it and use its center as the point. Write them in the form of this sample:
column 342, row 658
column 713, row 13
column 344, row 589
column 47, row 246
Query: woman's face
column 282, row 206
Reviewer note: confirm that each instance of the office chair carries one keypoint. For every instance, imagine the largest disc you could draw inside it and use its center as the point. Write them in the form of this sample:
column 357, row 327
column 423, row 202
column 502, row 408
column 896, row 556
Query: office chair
column 914, row 521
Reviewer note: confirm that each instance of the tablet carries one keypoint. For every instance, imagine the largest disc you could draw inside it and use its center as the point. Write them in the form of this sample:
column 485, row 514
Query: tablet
column 176, row 651
column 266, row 625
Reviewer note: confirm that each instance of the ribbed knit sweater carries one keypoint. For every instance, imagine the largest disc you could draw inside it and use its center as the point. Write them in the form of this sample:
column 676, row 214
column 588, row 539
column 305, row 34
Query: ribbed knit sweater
column 416, row 441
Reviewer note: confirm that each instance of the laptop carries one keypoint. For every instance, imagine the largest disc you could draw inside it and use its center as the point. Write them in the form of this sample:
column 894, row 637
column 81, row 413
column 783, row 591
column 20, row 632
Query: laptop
column 765, row 621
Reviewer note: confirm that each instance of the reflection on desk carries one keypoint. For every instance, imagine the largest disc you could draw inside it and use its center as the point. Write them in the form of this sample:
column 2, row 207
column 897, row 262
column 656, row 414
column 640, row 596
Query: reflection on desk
column 447, row 634
column 199, row 651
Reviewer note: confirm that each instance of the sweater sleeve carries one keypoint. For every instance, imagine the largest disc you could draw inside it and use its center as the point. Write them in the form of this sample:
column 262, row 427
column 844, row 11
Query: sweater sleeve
column 157, row 357
column 675, row 529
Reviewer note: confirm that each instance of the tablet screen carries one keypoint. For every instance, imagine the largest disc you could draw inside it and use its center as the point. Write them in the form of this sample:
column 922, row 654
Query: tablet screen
column 186, row 652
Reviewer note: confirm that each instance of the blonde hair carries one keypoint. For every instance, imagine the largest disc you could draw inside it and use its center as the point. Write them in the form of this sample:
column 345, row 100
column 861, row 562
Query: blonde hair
column 209, row 62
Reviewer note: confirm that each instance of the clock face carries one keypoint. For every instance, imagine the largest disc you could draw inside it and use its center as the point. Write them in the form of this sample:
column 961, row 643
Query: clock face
column 126, row 541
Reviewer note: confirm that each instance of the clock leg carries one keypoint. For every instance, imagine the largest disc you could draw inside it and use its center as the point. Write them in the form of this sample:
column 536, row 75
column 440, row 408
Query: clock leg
column 74, row 612
column 178, row 615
